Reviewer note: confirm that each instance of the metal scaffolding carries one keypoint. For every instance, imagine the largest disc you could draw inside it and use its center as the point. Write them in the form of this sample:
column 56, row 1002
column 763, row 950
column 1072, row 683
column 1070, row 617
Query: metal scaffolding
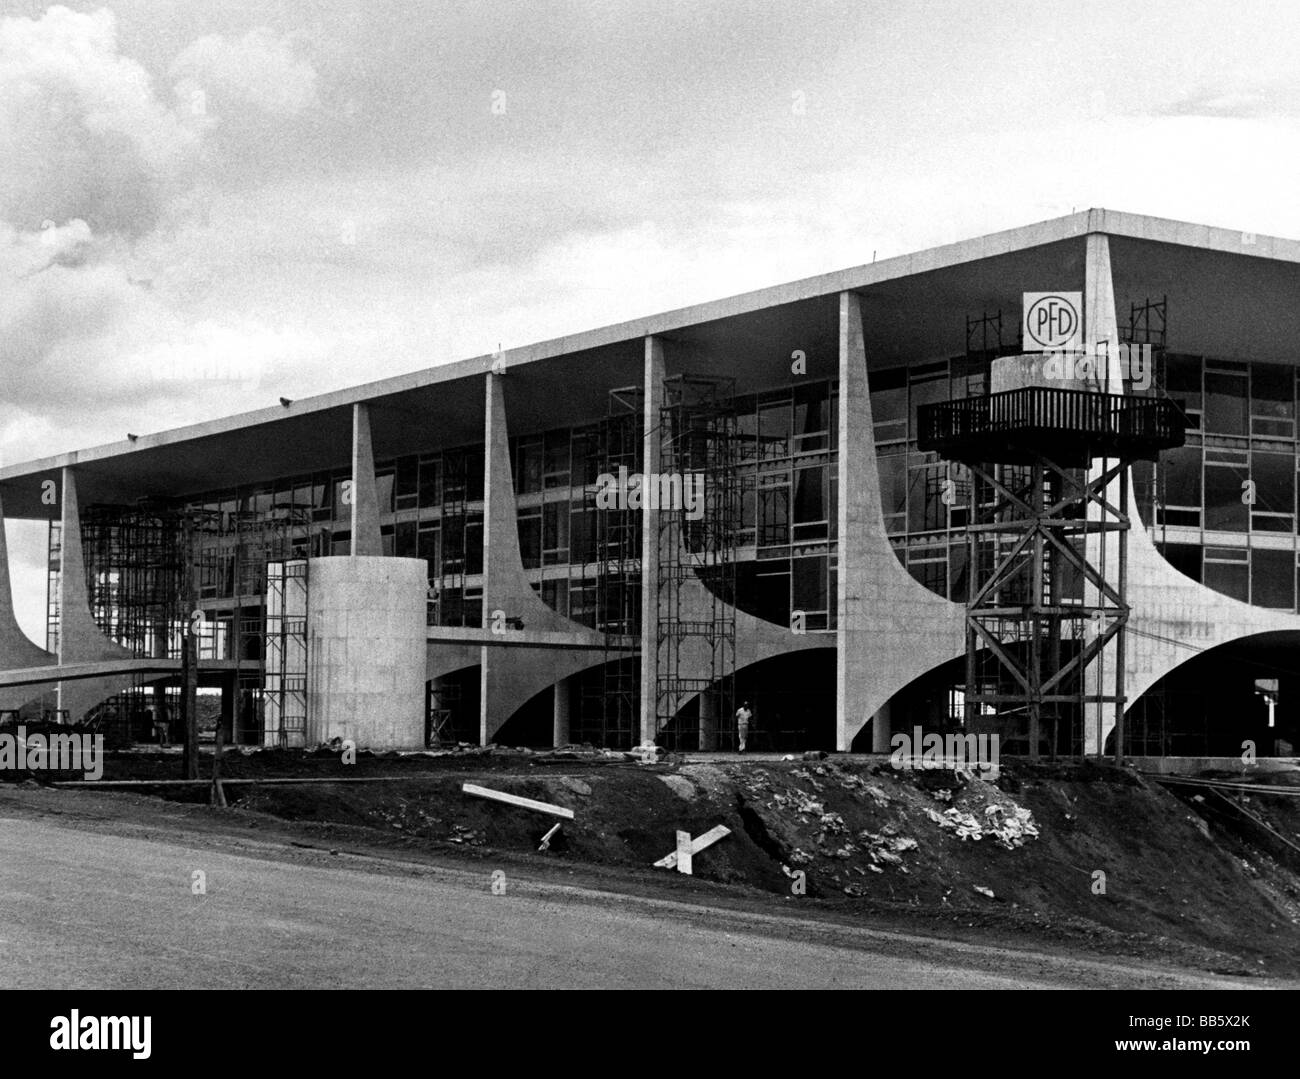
column 1148, row 325
column 609, row 699
column 443, row 705
column 1047, row 538
column 449, row 576
column 237, row 555
column 150, row 565
column 984, row 336
column 696, row 644
column 54, row 569
column 1040, row 611
column 285, row 664
column 137, row 562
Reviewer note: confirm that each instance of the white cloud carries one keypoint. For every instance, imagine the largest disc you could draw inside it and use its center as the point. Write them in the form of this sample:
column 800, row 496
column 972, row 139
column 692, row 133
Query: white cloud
column 97, row 322
column 258, row 70
column 81, row 133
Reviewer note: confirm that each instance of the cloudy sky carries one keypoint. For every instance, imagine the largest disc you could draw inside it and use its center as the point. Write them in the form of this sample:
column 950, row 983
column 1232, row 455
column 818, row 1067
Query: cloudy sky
column 206, row 205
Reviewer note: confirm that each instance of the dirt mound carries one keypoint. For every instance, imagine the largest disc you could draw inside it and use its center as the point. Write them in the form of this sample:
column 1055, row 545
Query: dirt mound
column 1084, row 852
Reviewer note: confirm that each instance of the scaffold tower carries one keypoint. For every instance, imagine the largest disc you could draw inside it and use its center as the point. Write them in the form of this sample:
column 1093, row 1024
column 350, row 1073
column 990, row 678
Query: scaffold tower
column 696, row 639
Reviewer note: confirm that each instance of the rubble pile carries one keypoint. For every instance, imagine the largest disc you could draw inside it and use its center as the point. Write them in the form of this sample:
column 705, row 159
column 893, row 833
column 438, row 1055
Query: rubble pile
column 836, row 822
column 1007, row 822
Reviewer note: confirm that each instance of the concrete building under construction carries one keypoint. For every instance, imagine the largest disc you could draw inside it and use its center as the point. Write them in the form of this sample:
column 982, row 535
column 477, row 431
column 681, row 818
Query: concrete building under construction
column 620, row 536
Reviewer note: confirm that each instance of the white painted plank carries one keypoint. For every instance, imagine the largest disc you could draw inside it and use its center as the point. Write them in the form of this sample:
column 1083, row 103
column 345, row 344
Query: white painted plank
column 515, row 800
column 684, row 852
column 706, row 840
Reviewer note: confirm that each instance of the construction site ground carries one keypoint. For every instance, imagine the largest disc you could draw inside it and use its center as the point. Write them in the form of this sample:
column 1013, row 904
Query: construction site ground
column 1078, row 858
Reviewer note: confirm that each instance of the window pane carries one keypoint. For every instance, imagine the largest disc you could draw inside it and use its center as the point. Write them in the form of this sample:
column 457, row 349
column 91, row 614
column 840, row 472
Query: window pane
column 1274, row 476
column 1272, row 578
column 774, row 429
column 474, row 545
column 746, row 428
column 889, row 403
column 528, row 477
column 772, row 597
column 406, row 482
column 1183, row 380
column 959, row 577
column 430, row 483
column 530, row 541
column 1224, row 509
column 810, row 408
column 773, row 510
column 428, row 548
column 474, row 475
column 1272, row 390
column 1230, row 579
column 926, row 511
column 809, row 584
column 927, row 391
column 555, row 530
column 557, row 458
column 810, row 494
column 405, row 540
column 1225, row 404
column 893, row 483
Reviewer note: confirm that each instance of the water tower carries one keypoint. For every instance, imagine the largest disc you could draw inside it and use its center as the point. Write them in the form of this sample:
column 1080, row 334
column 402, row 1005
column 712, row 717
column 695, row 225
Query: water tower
column 1044, row 461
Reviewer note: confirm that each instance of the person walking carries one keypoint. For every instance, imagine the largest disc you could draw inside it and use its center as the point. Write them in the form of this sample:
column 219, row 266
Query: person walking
column 160, row 724
column 743, row 716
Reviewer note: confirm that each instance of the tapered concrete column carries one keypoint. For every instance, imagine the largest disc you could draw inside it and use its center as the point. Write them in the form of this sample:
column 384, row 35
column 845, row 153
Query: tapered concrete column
column 560, row 729
column 857, row 481
column 366, row 540
column 1101, row 335
column 651, row 402
column 79, row 637
column 891, row 628
column 498, row 508
column 16, row 648
column 505, row 672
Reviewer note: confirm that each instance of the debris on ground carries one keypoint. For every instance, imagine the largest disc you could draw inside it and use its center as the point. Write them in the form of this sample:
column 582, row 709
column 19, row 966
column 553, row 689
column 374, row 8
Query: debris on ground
column 864, row 835
column 687, row 848
column 475, row 791
column 1009, row 824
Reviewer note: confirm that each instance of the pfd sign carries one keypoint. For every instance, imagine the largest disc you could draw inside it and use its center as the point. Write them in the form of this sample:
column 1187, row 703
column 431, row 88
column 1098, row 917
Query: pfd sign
column 1053, row 321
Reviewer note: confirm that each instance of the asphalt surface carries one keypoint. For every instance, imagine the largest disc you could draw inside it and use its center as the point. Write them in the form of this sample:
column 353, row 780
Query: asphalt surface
column 83, row 909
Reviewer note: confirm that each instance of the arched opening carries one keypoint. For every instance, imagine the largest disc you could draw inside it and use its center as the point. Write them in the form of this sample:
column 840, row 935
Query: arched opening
column 532, row 724
column 1245, row 690
column 605, row 704
column 936, row 703
column 792, row 703
column 149, row 712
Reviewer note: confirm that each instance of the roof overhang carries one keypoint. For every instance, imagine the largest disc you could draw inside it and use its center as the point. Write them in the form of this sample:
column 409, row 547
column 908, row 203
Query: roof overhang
column 750, row 336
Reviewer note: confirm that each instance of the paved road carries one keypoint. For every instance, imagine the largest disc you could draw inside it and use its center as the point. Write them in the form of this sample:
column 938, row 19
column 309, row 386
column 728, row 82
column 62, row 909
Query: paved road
column 82, row 909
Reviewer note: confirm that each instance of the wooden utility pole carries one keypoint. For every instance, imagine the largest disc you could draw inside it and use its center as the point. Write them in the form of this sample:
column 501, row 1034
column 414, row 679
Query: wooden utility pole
column 218, row 795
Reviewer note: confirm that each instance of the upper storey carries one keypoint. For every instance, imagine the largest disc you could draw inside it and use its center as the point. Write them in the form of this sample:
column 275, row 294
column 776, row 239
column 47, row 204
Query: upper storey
column 1230, row 294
